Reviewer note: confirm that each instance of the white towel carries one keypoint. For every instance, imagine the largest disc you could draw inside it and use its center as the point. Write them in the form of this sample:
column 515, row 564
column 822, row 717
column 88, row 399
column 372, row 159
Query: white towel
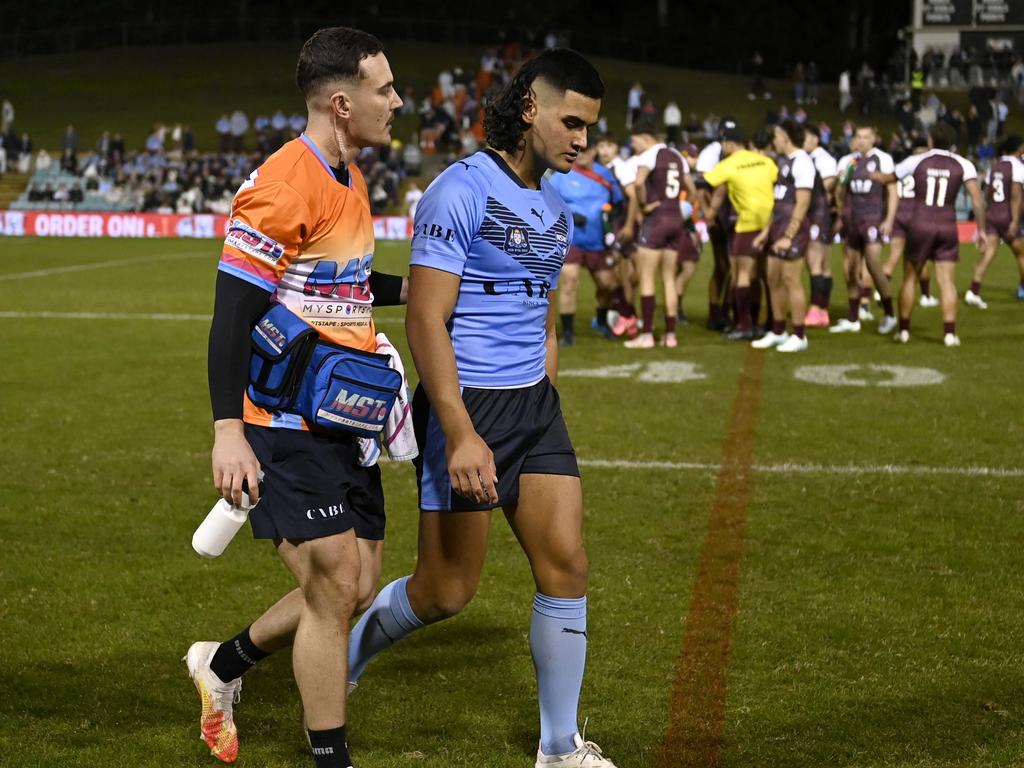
column 398, row 437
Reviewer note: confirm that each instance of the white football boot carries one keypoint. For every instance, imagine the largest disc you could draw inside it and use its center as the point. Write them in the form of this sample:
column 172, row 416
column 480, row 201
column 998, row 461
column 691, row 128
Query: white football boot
column 770, row 340
column 845, row 326
column 887, row 326
column 586, row 755
column 793, row 344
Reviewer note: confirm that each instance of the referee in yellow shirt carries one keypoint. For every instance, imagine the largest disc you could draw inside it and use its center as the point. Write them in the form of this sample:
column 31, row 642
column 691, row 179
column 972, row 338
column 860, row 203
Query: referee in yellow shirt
column 750, row 179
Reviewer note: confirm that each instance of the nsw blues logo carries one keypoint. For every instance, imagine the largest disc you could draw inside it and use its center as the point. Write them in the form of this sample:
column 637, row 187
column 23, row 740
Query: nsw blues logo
column 517, row 241
column 254, row 243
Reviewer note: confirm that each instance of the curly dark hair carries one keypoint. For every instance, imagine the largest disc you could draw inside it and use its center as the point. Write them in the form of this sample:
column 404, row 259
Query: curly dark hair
column 562, row 68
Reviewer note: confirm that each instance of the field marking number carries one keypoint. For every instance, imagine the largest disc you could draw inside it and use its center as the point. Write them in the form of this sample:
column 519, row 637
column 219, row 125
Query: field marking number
column 879, row 375
column 660, row 372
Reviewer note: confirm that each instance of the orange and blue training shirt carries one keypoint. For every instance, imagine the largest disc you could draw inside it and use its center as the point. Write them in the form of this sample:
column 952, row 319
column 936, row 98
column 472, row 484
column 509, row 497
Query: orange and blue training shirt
column 298, row 232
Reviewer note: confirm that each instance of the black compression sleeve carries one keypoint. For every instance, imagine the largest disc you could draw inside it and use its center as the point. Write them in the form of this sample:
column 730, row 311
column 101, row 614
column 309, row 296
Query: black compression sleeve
column 235, row 309
column 387, row 289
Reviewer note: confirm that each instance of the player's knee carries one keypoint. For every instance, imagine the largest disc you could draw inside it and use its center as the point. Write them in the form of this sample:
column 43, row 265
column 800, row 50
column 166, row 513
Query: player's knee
column 443, row 598
column 367, row 593
column 332, row 593
column 566, row 572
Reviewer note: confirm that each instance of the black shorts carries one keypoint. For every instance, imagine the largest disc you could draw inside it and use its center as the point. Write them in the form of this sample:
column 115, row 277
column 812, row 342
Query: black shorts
column 523, row 427
column 313, row 486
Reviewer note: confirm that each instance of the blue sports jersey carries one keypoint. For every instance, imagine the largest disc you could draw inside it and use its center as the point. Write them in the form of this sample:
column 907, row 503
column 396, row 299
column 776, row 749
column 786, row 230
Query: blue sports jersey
column 507, row 242
column 587, row 191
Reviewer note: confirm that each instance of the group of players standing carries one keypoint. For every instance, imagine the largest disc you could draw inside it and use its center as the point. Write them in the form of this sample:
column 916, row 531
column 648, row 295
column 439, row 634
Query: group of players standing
column 771, row 205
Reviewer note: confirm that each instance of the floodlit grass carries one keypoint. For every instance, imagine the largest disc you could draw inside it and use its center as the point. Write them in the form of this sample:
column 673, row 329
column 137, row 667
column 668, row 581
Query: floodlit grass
column 879, row 618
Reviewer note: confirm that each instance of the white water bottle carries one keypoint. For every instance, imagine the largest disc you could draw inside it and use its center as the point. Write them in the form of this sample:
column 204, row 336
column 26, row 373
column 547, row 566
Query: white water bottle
column 220, row 526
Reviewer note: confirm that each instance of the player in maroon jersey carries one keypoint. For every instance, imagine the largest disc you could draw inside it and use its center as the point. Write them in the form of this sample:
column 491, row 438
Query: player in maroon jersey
column 900, row 227
column 662, row 175
column 869, row 209
column 1004, row 197
column 787, row 237
column 819, row 261
column 938, row 175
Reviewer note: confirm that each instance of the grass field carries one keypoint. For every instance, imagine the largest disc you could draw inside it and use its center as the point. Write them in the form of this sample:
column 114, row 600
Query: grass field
column 877, row 610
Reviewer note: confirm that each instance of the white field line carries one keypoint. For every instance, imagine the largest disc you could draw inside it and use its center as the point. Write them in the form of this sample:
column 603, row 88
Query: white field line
column 104, row 265
column 811, row 469
column 44, row 315
column 776, row 469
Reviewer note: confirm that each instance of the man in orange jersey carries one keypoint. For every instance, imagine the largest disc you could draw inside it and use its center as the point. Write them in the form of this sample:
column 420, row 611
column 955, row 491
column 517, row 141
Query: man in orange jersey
column 301, row 235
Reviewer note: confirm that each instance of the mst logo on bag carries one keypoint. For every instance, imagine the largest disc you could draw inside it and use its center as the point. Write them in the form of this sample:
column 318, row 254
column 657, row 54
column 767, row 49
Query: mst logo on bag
column 248, row 240
column 355, row 406
column 274, row 336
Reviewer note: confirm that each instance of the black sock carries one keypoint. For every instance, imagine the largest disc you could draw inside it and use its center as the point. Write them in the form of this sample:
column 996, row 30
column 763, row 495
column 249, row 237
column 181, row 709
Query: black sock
column 887, row 306
column 827, row 288
column 329, row 748
column 601, row 313
column 236, row 657
column 567, row 323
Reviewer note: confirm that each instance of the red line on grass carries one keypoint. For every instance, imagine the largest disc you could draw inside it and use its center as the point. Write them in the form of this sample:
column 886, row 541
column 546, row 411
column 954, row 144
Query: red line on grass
column 697, row 711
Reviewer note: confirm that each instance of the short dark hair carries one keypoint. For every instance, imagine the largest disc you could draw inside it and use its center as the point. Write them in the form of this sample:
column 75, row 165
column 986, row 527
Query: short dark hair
column 562, row 68
column 943, row 136
column 1011, row 145
column 794, row 130
column 333, row 53
column 763, row 138
column 643, row 125
column 812, row 129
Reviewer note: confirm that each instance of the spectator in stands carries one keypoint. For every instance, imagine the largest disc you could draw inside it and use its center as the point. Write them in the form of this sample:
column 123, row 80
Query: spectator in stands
column 297, row 124
column 634, row 102
column 155, row 140
column 757, row 87
column 239, row 127
column 799, row 83
column 1002, row 111
column 412, row 158
column 673, row 121
column 812, row 83
column 693, row 128
column 845, row 99
column 69, row 161
column 116, row 149
column 279, row 124
column 24, row 153
column 70, row 140
column 188, row 140
column 974, row 128
column 3, row 157
column 6, row 116
column 412, row 199
column 224, row 133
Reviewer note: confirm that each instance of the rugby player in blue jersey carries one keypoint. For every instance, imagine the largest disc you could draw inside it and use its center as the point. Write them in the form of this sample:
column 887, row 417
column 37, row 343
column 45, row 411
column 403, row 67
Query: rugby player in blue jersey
column 490, row 237
column 591, row 192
